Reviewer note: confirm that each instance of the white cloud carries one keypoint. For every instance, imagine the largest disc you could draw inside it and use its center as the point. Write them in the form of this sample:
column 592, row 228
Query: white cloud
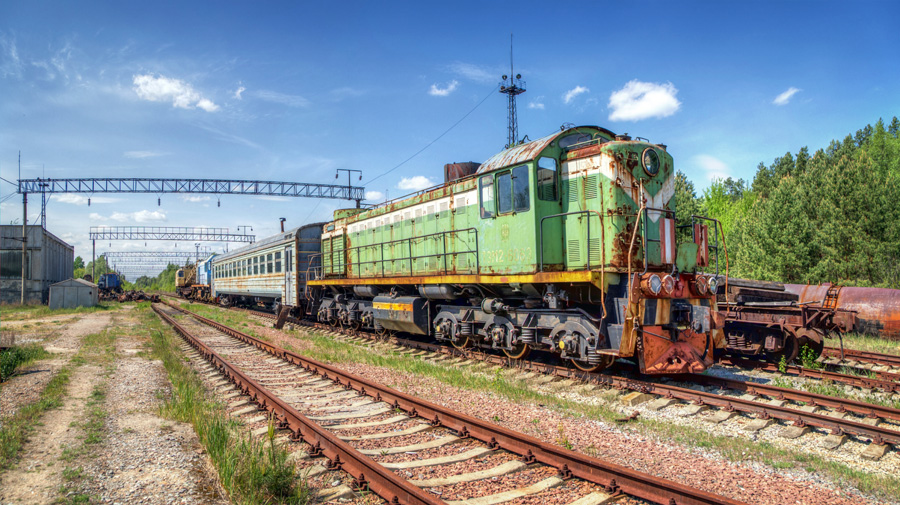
column 195, row 198
column 76, row 199
column 141, row 216
column 537, row 103
column 346, row 92
column 141, row 154
column 10, row 64
column 475, row 72
column 163, row 89
column 415, row 183
column 274, row 198
column 374, row 196
column 642, row 100
column 785, row 97
column 714, row 167
column 572, row 93
column 436, row 91
column 237, row 92
column 282, row 98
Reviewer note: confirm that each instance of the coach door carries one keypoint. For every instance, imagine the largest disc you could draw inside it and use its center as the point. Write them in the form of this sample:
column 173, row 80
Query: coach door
column 288, row 270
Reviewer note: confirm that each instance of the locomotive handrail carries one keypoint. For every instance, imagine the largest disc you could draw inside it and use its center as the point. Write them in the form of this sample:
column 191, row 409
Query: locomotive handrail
column 647, row 239
column 694, row 219
column 347, row 261
column 588, row 255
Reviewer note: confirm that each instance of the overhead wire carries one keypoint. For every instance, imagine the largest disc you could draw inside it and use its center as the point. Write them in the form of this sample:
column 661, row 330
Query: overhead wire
column 436, row 139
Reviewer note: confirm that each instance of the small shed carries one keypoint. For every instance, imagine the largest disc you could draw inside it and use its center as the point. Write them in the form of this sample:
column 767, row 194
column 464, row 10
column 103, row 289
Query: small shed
column 73, row 293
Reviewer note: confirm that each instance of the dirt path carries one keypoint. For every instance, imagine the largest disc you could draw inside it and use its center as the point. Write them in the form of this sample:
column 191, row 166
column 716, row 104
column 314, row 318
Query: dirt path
column 37, row 478
column 140, row 457
column 145, row 458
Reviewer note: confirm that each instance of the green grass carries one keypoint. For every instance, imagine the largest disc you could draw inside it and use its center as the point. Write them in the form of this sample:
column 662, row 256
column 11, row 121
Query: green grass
column 22, row 312
column 871, row 343
column 17, row 357
column 251, row 471
column 16, row 428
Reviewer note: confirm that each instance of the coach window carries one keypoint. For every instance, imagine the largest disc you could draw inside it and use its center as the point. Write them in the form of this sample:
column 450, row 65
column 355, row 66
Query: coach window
column 255, row 266
column 546, row 179
column 270, row 268
column 486, row 186
column 278, row 262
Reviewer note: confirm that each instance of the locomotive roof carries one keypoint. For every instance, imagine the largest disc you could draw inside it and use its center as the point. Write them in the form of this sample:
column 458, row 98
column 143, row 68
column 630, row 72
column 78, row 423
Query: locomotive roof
column 266, row 242
column 530, row 150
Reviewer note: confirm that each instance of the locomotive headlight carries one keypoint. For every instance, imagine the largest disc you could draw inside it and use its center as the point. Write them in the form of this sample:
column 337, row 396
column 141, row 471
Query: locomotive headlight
column 650, row 161
column 655, row 284
column 713, row 285
column 668, row 284
column 700, row 283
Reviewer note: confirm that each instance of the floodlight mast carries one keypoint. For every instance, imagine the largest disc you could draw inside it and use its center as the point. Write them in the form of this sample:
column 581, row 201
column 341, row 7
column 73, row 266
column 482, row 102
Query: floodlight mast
column 512, row 86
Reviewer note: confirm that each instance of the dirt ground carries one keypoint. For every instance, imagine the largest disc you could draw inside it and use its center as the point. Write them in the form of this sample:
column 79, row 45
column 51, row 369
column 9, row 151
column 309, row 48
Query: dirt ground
column 141, row 457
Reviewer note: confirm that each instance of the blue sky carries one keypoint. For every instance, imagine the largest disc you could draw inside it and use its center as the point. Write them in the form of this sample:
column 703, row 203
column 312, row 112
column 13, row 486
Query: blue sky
column 294, row 91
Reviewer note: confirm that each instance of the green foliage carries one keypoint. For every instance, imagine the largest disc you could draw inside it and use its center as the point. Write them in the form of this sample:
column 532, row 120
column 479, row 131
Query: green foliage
column 19, row 356
column 165, row 281
column 831, row 216
column 782, row 364
column 808, row 358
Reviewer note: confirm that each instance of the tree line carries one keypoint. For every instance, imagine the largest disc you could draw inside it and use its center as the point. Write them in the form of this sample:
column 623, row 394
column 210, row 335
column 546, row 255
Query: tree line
column 165, row 281
column 830, row 216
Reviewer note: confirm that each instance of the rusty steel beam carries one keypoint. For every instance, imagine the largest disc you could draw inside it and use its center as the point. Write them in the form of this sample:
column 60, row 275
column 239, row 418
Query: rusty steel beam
column 341, row 455
column 570, row 464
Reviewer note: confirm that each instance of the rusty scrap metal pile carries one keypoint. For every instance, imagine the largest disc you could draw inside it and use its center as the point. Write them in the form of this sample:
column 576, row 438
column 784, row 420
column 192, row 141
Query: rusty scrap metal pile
column 137, row 296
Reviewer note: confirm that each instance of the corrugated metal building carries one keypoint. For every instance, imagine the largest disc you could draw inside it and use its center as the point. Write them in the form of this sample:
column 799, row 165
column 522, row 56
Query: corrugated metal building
column 73, row 293
column 48, row 260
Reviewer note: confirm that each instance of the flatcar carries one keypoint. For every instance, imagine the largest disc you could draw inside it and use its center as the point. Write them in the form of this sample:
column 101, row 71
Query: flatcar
column 268, row 274
column 566, row 243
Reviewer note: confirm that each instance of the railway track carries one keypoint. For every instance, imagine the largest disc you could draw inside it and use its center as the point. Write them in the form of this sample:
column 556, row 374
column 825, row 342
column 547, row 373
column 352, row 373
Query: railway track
column 356, row 426
column 878, row 426
column 874, row 361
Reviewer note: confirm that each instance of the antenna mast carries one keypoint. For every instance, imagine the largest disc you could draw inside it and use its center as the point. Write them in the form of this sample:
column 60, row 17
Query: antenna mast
column 512, row 87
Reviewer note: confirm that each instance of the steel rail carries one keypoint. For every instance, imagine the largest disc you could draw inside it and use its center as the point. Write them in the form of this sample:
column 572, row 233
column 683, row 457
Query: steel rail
column 877, row 434
column 885, row 381
column 614, row 478
column 341, row 455
column 872, row 357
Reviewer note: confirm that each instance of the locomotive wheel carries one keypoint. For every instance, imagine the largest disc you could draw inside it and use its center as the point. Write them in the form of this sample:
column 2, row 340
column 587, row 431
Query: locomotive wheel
column 812, row 339
column 334, row 323
column 519, row 351
column 461, row 341
column 585, row 366
column 355, row 325
column 790, row 350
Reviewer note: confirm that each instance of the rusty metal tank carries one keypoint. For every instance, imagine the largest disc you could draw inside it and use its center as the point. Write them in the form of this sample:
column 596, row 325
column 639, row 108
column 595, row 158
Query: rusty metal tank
column 877, row 309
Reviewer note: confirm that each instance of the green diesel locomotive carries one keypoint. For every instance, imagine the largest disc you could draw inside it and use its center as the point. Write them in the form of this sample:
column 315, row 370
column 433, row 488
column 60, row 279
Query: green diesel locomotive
column 566, row 243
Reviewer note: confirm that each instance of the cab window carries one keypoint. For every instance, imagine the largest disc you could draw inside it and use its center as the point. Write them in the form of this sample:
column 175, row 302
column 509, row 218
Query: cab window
column 521, row 200
column 546, row 179
column 504, row 193
column 486, row 195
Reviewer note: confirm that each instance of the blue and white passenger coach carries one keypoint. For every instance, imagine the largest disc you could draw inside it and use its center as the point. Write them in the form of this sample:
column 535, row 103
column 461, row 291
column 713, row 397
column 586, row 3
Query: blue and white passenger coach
column 270, row 273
